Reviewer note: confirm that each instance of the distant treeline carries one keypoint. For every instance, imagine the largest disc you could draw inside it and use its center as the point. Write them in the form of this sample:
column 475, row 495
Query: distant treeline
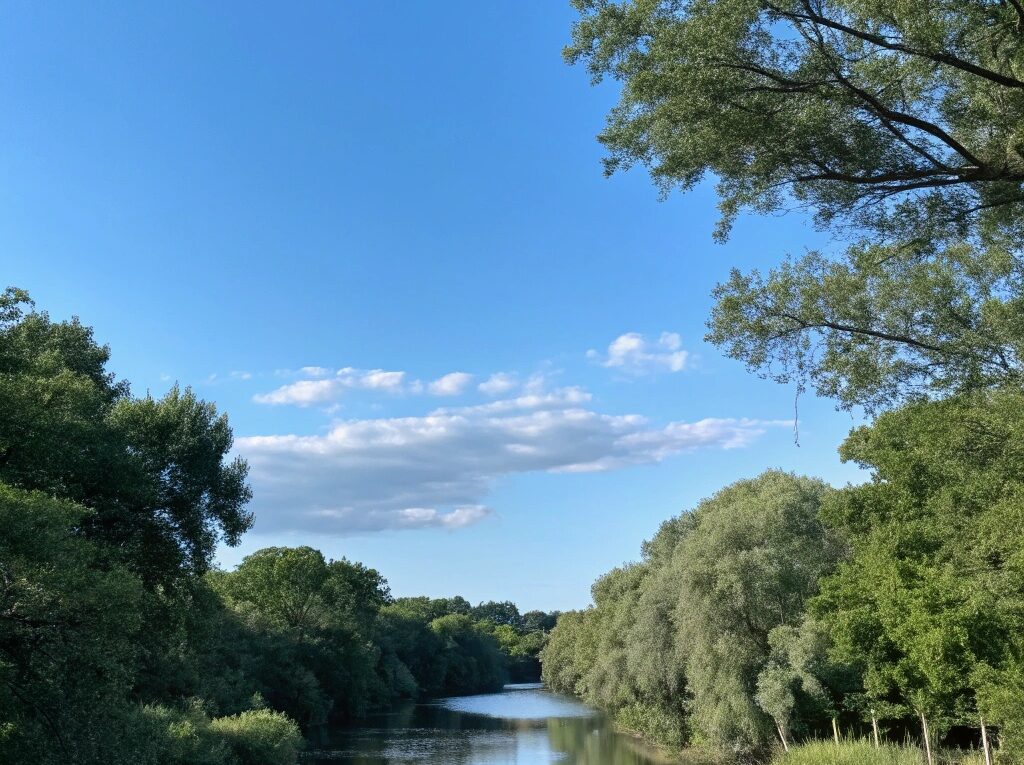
column 118, row 641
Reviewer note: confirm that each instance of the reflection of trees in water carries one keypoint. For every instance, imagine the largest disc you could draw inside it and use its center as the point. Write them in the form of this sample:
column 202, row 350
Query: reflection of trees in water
column 418, row 735
column 415, row 735
column 589, row 741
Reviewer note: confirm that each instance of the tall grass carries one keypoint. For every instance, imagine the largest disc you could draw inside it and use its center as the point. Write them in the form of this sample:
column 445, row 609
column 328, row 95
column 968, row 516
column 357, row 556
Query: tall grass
column 863, row 752
column 849, row 752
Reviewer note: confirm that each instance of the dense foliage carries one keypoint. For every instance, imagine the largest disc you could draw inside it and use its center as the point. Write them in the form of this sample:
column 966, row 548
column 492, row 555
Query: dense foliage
column 897, row 122
column 898, row 603
column 119, row 643
column 779, row 605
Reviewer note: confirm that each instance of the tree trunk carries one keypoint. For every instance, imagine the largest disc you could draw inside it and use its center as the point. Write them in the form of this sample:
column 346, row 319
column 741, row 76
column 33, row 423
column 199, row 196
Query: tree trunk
column 835, row 730
column 927, row 738
column 874, row 728
column 782, row 735
column 984, row 743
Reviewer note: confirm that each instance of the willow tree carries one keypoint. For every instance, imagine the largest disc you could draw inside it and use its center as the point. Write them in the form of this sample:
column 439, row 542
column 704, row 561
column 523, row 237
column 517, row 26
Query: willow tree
column 900, row 124
column 753, row 559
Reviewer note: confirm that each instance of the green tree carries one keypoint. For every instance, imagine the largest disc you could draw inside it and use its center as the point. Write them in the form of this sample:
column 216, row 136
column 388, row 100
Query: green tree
column 69, row 637
column 881, row 326
column 539, row 621
column 750, row 564
column 285, row 585
column 471, row 654
column 930, row 604
column 500, row 613
column 311, row 651
column 899, row 123
column 154, row 472
column 899, row 116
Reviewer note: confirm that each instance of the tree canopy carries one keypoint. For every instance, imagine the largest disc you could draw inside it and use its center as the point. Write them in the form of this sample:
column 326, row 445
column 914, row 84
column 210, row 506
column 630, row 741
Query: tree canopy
column 870, row 112
column 154, row 472
column 898, row 124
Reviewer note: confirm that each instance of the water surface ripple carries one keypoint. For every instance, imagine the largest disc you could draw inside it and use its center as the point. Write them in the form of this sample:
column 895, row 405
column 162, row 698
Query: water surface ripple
column 523, row 725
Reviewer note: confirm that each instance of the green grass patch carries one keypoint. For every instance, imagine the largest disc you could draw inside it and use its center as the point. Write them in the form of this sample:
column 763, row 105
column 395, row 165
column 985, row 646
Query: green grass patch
column 849, row 753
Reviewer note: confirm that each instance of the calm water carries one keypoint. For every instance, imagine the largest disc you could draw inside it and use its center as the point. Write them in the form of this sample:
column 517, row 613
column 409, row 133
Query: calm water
column 523, row 725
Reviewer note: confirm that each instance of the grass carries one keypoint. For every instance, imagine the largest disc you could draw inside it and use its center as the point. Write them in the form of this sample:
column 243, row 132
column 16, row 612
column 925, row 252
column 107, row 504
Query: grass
column 848, row 752
column 863, row 752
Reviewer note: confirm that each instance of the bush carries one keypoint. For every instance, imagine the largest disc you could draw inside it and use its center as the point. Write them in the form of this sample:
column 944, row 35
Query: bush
column 653, row 722
column 260, row 737
column 176, row 737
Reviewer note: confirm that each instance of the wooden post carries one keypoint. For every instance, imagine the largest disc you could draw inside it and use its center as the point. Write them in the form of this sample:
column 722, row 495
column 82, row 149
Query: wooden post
column 984, row 743
column 874, row 728
column 927, row 738
column 782, row 735
column 835, row 730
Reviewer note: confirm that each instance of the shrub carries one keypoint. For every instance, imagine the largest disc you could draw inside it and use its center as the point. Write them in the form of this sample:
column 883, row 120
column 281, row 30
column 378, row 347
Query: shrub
column 180, row 737
column 260, row 737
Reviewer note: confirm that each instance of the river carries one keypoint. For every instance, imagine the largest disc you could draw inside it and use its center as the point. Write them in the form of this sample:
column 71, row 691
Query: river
column 522, row 725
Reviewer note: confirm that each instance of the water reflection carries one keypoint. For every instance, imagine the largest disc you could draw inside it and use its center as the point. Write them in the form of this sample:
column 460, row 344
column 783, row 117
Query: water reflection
column 525, row 725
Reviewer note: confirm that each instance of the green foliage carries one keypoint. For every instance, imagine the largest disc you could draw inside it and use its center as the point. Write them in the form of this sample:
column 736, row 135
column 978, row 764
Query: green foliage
column 153, row 472
column 883, row 325
column 934, row 591
column 69, row 636
column 471, row 656
column 900, row 123
column 500, row 613
column 897, row 117
column 676, row 644
column 753, row 559
column 1000, row 696
column 260, row 737
column 117, row 641
column 180, row 737
column 779, row 604
column 800, row 685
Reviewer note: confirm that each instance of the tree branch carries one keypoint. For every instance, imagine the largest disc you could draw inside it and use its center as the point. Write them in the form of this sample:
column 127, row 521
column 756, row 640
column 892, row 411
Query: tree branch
column 940, row 57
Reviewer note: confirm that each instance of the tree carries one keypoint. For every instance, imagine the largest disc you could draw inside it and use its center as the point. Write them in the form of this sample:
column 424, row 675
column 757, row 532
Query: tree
column 799, row 685
column 285, row 585
column 539, row 621
column 154, row 472
column 753, row 559
column 499, row 613
column 472, row 656
column 186, row 494
column 565, row 659
column 882, row 326
column 929, row 606
column 69, row 637
column 863, row 110
column 898, row 123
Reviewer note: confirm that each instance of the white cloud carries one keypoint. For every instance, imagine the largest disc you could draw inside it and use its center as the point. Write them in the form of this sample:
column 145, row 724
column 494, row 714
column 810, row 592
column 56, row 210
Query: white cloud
column 436, row 470
column 633, row 353
column 375, row 380
column 326, row 388
column 497, row 384
column 452, row 384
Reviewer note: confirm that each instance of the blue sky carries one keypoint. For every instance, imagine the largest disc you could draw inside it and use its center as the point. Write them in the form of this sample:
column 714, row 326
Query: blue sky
column 338, row 221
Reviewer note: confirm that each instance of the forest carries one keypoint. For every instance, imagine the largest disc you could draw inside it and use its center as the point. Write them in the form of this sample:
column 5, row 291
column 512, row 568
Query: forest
column 120, row 642
column 782, row 615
